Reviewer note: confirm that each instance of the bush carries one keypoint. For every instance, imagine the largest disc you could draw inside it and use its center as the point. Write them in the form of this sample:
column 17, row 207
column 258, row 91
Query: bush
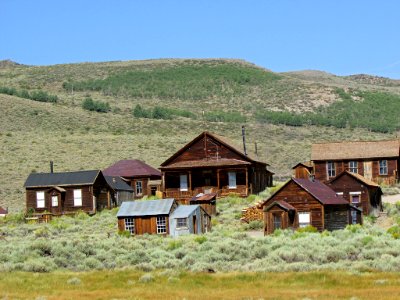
column 41, row 96
column 256, row 225
column 394, row 231
column 308, row 228
column 98, row 106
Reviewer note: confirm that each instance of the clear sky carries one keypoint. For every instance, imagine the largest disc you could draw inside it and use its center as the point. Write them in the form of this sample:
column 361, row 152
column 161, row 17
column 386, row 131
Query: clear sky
column 337, row 36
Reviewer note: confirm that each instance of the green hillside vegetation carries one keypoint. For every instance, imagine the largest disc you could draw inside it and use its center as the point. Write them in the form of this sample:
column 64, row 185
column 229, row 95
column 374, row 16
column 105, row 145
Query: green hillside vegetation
column 181, row 98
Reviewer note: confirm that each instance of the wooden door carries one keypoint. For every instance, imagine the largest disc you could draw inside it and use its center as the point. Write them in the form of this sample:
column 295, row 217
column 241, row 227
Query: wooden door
column 194, row 225
column 368, row 169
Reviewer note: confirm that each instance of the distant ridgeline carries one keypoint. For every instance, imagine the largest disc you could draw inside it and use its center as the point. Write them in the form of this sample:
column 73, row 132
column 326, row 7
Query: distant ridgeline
column 374, row 111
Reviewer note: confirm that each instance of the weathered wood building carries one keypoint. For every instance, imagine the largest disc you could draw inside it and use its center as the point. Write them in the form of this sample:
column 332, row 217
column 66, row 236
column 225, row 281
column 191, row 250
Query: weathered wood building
column 303, row 170
column 66, row 192
column 164, row 217
column 209, row 164
column 359, row 191
column 144, row 179
column 378, row 161
column 207, row 201
column 120, row 191
column 302, row 202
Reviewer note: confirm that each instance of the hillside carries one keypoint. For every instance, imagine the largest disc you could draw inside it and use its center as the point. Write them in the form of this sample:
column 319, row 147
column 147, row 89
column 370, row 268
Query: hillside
column 189, row 95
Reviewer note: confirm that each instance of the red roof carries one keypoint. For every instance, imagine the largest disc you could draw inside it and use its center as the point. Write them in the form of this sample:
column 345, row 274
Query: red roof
column 204, row 197
column 3, row 211
column 320, row 191
column 283, row 204
column 131, row 168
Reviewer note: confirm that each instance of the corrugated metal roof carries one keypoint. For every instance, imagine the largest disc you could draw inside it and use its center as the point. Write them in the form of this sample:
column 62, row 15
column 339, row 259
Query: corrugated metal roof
column 183, row 211
column 145, row 208
column 131, row 168
column 117, row 184
column 355, row 149
column 204, row 197
column 61, row 179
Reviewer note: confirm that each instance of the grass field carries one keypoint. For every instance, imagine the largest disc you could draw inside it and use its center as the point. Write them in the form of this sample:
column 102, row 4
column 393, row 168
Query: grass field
column 130, row 284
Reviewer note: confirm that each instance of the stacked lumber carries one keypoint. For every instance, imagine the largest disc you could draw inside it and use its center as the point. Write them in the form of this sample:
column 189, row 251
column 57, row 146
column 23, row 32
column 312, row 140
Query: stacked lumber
column 252, row 213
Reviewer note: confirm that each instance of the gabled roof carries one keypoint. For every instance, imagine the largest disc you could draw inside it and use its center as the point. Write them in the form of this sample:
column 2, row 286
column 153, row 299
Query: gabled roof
column 321, row 192
column 3, row 211
column 307, row 164
column 356, row 176
column 183, row 211
column 117, row 184
column 62, row 179
column 145, row 208
column 217, row 138
column 131, row 168
column 355, row 150
column 282, row 204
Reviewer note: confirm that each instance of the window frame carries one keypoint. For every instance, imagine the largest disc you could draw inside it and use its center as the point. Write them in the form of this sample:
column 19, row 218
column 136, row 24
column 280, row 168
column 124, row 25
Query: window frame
column 76, row 203
column 41, row 200
column 330, row 169
column 353, row 166
column 183, row 184
column 139, row 187
column 181, row 222
column 232, row 178
column 304, row 224
column 277, row 219
column 352, row 194
column 129, row 224
column 383, row 167
column 161, row 225
column 52, row 201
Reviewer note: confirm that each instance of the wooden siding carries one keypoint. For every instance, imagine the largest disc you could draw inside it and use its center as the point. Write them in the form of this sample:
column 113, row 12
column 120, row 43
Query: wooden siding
column 143, row 225
column 302, row 201
column 301, row 172
column 336, row 217
column 66, row 200
column 320, row 170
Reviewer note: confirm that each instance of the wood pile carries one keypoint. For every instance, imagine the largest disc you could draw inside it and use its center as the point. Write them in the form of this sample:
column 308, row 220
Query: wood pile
column 253, row 213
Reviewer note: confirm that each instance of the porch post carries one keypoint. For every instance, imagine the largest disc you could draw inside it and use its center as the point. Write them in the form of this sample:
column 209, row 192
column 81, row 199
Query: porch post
column 218, row 187
column 108, row 200
column 190, row 182
column 163, row 181
column 247, row 182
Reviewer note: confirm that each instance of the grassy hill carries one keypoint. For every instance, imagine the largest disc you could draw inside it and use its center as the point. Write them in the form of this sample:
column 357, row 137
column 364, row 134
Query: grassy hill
column 182, row 98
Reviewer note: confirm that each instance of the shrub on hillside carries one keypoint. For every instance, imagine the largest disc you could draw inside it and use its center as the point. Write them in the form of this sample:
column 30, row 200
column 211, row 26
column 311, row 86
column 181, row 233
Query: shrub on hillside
column 98, row 106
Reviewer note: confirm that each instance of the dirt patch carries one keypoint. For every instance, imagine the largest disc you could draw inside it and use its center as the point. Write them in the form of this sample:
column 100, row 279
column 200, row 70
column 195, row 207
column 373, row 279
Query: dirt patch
column 391, row 198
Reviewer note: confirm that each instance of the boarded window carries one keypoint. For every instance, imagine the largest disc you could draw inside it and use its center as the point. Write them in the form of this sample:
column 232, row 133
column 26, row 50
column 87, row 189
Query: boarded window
column 183, row 182
column 383, row 168
column 330, row 168
column 54, row 201
column 78, row 197
column 353, row 166
column 181, row 222
column 40, row 199
column 304, row 219
column 139, row 188
column 161, row 225
column 130, row 225
column 232, row 180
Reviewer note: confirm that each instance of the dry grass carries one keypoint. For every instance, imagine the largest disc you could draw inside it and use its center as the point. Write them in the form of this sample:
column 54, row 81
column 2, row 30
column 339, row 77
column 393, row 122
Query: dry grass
column 126, row 284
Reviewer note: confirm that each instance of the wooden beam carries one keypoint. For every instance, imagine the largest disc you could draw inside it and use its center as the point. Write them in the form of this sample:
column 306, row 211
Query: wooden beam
column 247, row 181
column 218, row 185
column 163, row 181
column 190, row 181
column 108, row 200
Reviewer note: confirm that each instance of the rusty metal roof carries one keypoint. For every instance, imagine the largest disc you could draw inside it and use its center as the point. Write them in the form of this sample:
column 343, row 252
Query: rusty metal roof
column 131, row 168
column 283, row 204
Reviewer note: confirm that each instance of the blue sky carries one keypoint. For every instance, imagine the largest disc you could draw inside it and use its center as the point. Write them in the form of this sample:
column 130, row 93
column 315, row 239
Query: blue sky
column 341, row 37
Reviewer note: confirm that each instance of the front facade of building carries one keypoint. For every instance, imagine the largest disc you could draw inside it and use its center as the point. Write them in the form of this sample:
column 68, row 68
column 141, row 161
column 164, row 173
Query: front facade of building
column 208, row 164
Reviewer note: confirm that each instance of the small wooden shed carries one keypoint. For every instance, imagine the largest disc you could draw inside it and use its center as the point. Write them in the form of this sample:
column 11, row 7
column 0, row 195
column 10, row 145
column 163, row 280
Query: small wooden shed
column 303, row 170
column 302, row 202
column 207, row 201
column 189, row 219
column 359, row 191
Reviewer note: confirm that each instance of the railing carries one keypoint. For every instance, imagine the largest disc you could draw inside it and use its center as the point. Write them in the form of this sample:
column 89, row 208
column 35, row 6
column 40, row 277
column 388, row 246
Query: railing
column 240, row 190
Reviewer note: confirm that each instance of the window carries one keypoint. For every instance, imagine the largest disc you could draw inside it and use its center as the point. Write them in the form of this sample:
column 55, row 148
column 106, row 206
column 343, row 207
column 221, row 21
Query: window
column 277, row 221
column 330, row 167
column 130, row 225
column 353, row 217
column 139, row 188
column 353, row 166
column 40, row 199
column 161, row 225
column 183, row 182
column 355, row 197
column 181, row 222
column 54, row 200
column 304, row 219
column 232, row 180
column 77, row 197
column 383, row 168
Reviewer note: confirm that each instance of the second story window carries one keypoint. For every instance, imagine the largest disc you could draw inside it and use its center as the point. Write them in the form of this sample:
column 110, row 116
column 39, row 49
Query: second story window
column 330, row 168
column 353, row 166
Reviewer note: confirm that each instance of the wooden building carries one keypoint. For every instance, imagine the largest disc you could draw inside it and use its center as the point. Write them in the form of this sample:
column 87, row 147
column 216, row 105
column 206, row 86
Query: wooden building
column 375, row 160
column 359, row 191
column 120, row 191
column 164, row 217
column 144, row 179
column 209, row 164
column 303, row 170
column 3, row 212
column 66, row 192
column 302, row 202
column 207, row 201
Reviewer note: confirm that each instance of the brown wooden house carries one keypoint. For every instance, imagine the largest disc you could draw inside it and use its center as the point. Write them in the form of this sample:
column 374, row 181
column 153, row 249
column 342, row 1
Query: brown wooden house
column 209, row 164
column 302, row 202
column 378, row 161
column 144, row 179
column 303, row 170
column 63, row 193
column 359, row 191
column 163, row 217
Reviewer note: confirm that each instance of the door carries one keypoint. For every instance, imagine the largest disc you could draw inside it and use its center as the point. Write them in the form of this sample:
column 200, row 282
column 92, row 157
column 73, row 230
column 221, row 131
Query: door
column 194, row 225
column 368, row 170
